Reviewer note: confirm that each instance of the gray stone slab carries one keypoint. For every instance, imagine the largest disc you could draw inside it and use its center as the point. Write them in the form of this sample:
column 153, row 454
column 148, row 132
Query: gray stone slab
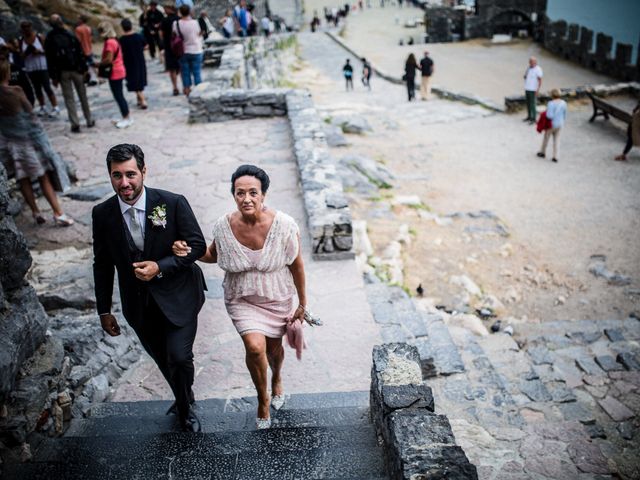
column 626, row 430
column 562, row 394
column 577, row 411
column 608, row 363
column 535, row 390
column 628, row 360
column 588, row 365
column 618, row 411
column 614, row 334
column 540, row 355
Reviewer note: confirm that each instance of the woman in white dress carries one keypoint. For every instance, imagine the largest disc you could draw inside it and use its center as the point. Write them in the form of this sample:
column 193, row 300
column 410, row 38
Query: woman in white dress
column 259, row 250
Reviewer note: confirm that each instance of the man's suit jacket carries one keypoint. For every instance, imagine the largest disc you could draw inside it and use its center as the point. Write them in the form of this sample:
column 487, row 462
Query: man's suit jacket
column 179, row 292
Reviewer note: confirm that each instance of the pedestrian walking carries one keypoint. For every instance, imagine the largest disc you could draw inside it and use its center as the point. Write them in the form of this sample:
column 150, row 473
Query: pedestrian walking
column 366, row 73
column 27, row 152
column 85, row 37
column 410, row 67
column 171, row 62
column 133, row 45
column 112, row 66
column 347, row 71
column 150, row 21
column 557, row 114
column 191, row 60
column 426, row 67
column 241, row 17
column 633, row 133
column 67, row 66
column 532, row 84
column 35, row 64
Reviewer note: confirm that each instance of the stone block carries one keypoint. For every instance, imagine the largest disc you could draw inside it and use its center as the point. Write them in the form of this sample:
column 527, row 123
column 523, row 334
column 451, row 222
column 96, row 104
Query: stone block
column 628, row 360
column 258, row 111
column 618, row 411
column 614, row 334
column 608, row 363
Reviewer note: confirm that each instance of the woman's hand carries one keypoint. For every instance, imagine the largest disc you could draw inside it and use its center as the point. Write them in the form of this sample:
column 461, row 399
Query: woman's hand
column 298, row 314
column 180, row 248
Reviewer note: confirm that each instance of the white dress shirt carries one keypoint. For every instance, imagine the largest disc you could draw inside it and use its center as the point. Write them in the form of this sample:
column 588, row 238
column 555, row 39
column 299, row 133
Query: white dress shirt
column 140, row 206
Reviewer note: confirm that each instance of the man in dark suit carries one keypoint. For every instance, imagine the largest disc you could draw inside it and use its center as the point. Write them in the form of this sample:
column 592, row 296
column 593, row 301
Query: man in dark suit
column 161, row 294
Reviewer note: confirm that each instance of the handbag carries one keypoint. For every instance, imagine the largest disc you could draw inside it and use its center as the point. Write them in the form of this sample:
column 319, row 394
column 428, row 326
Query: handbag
column 105, row 69
column 177, row 42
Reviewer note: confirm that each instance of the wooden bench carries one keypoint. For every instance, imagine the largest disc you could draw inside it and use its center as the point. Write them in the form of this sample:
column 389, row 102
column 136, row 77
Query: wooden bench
column 602, row 108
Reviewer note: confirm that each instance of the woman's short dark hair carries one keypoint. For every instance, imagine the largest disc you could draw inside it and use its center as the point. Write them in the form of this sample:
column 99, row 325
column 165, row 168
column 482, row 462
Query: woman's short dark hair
column 125, row 152
column 251, row 171
column 126, row 25
column 184, row 10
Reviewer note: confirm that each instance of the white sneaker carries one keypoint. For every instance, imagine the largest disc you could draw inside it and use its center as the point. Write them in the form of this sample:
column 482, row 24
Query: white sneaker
column 42, row 112
column 54, row 112
column 124, row 123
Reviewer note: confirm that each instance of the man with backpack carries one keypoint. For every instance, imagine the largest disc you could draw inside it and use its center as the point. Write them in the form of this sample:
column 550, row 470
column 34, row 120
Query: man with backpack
column 67, row 66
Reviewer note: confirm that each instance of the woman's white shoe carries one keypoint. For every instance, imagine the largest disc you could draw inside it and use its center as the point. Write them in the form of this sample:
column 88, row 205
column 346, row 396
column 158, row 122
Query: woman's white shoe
column 277, row 401
column 263, row 423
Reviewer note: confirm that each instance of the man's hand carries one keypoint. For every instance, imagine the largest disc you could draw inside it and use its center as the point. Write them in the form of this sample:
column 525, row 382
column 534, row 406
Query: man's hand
column 146, row 271
column 110, row 325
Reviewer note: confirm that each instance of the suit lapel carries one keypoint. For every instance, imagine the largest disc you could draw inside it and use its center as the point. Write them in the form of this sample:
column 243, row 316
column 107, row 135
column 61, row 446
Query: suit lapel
column 118, row 225
column 152, row 201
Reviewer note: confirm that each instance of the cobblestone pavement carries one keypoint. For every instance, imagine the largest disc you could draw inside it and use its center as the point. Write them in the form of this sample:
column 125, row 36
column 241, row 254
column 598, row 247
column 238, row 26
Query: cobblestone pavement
column 556, row 400
column 197, row 161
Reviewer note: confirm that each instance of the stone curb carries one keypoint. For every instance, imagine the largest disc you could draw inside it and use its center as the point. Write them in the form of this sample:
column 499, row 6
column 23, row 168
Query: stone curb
column 467, row 98
column 417, row 442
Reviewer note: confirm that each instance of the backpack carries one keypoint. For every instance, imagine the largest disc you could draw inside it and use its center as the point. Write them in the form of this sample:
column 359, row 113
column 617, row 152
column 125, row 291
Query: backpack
column 68, row 53
column 177, row 42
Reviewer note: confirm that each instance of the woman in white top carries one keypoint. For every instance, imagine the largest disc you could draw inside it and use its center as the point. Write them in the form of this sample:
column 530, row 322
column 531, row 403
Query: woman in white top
column 191, row 60
column 259, row 250
column 35, row 64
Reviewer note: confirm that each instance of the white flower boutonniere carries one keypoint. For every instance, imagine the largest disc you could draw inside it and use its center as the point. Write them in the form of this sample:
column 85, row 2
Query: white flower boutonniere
column 158, row 216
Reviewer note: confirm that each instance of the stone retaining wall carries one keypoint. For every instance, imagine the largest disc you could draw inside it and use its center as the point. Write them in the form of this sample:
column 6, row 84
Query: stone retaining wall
column 418, row 443
column 207, row 104
column 518, row 102
column 328, row 213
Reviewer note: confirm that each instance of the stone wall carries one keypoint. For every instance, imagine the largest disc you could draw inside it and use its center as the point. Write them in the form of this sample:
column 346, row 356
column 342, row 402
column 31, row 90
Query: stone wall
column 418, row 443
column 211, row 105
column 518, row 102
column 575, row 43
column 328, row 214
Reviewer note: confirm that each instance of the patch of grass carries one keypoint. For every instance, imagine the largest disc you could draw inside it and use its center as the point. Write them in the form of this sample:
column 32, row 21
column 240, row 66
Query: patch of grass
column 420, row 206
column 285, row 83
column 328, row 120
column 413, row 232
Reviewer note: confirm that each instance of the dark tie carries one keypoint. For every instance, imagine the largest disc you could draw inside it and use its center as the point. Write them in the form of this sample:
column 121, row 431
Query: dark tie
column 135, row 229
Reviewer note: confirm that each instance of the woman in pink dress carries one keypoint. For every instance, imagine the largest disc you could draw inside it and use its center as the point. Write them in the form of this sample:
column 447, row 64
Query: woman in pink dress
column 259, row 250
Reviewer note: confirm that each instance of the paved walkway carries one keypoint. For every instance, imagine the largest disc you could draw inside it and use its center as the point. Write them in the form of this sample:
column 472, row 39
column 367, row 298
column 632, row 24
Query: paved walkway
column 197, row 160
column 476, row 67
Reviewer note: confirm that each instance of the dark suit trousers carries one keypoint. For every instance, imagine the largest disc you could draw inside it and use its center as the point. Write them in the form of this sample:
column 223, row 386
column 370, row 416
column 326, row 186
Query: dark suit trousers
column 172, row 349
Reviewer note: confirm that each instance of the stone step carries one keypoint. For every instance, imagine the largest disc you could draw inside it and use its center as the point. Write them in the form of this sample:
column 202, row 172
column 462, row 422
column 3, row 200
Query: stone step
column 211, row 422
column 336, row 452
column 438, row 353
column 300, row 401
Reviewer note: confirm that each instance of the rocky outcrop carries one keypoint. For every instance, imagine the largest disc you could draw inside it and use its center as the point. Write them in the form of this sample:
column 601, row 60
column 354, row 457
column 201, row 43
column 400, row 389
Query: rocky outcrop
column 23, row 322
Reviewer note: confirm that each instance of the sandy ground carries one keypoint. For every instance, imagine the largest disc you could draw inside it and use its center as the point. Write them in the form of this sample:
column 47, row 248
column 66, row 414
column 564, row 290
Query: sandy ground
column 460, row 159
column 478, row 67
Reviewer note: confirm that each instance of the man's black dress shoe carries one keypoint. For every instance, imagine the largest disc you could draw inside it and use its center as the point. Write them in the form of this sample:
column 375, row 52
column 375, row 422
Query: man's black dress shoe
column 191, row 423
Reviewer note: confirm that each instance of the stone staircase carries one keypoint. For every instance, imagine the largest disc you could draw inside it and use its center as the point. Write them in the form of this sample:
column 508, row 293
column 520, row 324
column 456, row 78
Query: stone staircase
column 562, row 402
column 327, row 435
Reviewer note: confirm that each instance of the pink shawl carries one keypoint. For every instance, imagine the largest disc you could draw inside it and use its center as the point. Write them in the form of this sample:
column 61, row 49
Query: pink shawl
column 295, row 337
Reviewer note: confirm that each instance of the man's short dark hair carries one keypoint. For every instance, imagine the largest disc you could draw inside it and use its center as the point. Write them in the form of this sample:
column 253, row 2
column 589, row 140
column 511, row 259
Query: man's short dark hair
column 126, row 25
column 251, row 171
column 184, row 10
column 123, row 153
